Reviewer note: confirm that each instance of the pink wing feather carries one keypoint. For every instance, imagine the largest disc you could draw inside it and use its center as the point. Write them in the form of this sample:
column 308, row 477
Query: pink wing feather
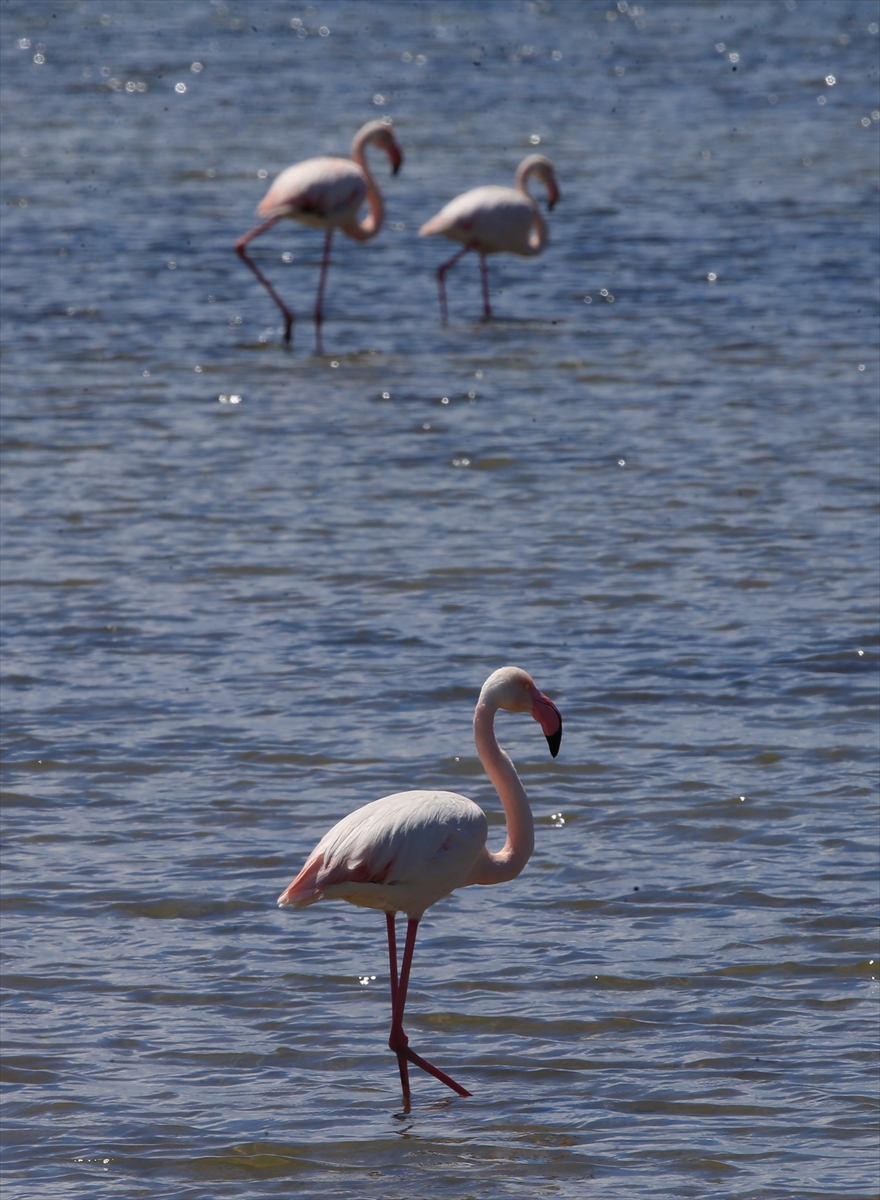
column 321, row 188
column 399, row 839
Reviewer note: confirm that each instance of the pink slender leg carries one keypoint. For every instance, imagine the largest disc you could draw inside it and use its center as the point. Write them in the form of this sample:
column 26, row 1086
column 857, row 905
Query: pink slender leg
column 243, row 255
column 484, row 275
column 398, row 1041
column 392, row 956
column 441, row 280
column 319, row 300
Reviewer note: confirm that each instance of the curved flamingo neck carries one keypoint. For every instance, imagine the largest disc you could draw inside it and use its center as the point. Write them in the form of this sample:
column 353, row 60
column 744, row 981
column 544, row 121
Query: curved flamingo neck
column 517, row 849
column 363, row 230
column 538, row 233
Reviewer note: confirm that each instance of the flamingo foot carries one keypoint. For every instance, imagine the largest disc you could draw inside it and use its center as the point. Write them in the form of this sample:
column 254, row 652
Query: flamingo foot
column 400, row 1045
column 418, row 1061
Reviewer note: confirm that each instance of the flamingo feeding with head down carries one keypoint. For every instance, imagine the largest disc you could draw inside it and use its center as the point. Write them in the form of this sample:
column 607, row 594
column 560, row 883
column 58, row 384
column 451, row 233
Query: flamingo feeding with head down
column 405, row 852
column 492, row 220
column 326, row 193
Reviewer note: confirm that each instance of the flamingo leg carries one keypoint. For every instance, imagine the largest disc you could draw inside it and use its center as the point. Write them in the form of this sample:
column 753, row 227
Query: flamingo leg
column 319, row 299
column 392, row 956
column 242, row 253
column 484, row 276
column 398, row 1041
column 441, row 281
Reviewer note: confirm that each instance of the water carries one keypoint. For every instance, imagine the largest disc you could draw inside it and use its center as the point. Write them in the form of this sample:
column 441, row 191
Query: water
column 226, row 624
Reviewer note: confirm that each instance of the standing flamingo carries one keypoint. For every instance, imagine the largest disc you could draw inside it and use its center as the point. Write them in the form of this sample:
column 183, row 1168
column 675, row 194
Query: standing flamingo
column 326, row 193
column 405, row 852
column 495, row 219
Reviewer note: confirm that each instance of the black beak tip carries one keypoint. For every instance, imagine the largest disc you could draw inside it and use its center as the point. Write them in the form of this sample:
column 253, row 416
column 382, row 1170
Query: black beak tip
column 396, row 167
column 554, row 740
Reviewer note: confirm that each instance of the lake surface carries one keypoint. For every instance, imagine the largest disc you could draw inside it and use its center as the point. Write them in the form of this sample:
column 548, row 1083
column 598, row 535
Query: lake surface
column 249, row 588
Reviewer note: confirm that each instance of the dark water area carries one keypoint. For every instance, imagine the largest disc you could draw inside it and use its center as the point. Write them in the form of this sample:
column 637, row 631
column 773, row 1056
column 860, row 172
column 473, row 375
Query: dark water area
column 247, row 589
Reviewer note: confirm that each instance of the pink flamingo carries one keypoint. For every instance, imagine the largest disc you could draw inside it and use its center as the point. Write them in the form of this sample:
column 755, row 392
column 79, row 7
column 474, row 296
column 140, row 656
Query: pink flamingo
column 495, row 219
column 405, row 852
column 326, row 193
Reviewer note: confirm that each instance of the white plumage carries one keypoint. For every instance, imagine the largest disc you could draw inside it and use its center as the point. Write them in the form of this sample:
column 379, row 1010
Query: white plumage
column 402, row 853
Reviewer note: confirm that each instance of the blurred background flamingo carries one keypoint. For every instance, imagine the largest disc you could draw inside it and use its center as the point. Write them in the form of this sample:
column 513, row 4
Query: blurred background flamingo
column 326, row 193
column 405, row 852
column 492, row 220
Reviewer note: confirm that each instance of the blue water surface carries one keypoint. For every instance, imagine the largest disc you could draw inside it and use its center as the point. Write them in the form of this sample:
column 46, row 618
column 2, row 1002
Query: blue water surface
column 247, row 588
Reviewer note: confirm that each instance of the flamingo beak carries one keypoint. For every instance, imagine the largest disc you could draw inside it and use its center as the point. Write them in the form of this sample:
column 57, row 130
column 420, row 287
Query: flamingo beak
column 548, row 717
column 552, row 194
column 396, row 156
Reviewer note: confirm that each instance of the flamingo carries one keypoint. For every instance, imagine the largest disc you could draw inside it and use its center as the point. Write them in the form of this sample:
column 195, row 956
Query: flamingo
column 326, row 193
column 405, row 852
column 495, row 219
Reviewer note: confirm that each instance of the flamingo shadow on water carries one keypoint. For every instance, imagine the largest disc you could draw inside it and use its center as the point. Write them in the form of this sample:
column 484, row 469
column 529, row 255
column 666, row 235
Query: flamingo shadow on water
column 406, row 851
column 325, row 193
column 494, row 220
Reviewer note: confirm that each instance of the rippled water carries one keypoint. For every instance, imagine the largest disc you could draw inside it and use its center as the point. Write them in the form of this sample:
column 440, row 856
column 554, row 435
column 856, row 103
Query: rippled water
column 651, row 481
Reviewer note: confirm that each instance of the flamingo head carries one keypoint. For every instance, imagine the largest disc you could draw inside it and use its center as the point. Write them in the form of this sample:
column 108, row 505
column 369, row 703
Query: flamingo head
column 542, row 169
column 379, row 133
column 514, row 690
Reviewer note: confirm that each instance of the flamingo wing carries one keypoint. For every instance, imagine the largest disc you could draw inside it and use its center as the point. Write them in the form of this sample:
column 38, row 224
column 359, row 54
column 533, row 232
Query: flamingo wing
column 318, row 191
column 487, row 219
column 402, row 852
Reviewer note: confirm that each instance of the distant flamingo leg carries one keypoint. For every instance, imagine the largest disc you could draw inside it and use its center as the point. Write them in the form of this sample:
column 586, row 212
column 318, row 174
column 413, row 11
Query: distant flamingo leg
column 325, row 263
column 484, row 276
column 398, row 1040
column 243, row 255
column 441, row 280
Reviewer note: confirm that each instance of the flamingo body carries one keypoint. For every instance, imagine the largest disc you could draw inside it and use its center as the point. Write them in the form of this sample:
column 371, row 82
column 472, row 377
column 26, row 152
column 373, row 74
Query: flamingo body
column 319, row 192
column 491, row 220
column 406, row 851
column 402, row 853
column 326, row 193
column 495, row 220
